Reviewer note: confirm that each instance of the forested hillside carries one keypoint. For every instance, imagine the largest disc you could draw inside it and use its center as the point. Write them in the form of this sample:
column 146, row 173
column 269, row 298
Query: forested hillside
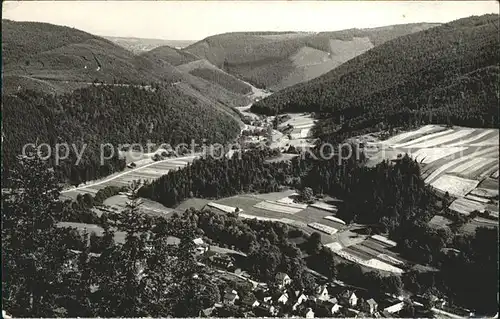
column 171, row 55
column 445, row 74
column 140, row 45
column 58, row 56
column 106, row 114
column 278, row 59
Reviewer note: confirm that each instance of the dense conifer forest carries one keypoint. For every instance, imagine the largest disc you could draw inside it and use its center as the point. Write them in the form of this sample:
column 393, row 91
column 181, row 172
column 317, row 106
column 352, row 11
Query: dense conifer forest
column 99, row 115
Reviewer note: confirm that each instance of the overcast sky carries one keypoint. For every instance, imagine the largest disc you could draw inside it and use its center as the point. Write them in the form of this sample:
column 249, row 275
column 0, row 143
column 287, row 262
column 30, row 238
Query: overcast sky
column 194, row 20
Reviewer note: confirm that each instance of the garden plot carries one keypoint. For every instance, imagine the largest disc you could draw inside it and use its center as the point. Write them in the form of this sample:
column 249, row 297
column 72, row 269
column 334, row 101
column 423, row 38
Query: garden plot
column 354, row 251
column 335, row 246
column 323, row 228
column 372, row 263
column 484, row 192
column 335, row 219
column 274, row 195
column 224, row 208
column 424, row 138
column 429, row 155
column 477, row 199
column 439, row 221
column 384, row 240
column 444, row 139
column 466, row 206
column 325, row 206
column 390, row 260
column 280, row 207
column 454, row 185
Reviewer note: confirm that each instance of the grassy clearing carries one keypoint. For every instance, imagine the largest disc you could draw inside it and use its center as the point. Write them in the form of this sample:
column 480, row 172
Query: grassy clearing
column 466, row 206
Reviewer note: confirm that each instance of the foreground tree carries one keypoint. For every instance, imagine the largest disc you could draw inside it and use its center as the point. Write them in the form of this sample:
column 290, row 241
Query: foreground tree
column 34, row 257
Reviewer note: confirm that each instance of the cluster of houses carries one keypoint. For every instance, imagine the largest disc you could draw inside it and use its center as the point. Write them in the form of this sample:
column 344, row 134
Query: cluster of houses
column 328, row 300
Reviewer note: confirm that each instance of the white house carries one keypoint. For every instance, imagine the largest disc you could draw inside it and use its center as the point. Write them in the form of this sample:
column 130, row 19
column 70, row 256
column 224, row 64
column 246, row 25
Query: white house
column 283, row 280
column 349, row 298
column 309, row 313
column 283, row 298
column 300, row 299
column 322, row 293
column 370, row 306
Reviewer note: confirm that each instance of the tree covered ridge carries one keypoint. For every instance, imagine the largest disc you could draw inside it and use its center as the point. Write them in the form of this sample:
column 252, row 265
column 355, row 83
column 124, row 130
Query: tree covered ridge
column 24, row 39
column 225, row 80
column 416, row 74
column 108, row 114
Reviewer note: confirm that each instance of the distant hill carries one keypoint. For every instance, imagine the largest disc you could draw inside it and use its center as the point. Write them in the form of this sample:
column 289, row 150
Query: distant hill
column 276, row 60
column 139, row 45
column 449, row 73
column 52, row 56
column 58, row 59
column 171, row 55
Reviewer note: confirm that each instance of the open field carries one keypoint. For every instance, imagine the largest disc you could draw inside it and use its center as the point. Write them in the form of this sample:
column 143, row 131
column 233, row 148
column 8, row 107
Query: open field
column 373, row 252
column 466, row 206
column 224, row 208
column 325, row 206
column 461, row 161
column 323, row 228
column 485, row 192
column 278, row 207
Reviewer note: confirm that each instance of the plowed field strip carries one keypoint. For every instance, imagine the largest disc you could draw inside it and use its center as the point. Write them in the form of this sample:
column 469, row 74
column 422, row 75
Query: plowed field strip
column 457, row 161
column 443, row 140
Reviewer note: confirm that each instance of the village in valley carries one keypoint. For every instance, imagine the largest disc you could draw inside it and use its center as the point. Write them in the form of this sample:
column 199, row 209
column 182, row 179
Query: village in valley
column 271, row 173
